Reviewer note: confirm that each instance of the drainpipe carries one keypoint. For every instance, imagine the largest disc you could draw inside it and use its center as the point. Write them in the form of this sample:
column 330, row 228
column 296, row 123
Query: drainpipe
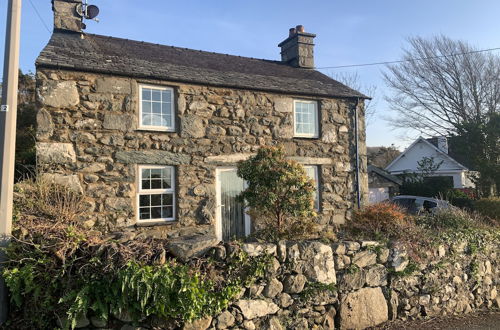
column 356, row 141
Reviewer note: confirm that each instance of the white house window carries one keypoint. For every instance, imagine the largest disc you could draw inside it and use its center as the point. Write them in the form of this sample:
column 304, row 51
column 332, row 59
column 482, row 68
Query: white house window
column 156, row 108
column 156, row 190
column 305, row 115
column 312, row 173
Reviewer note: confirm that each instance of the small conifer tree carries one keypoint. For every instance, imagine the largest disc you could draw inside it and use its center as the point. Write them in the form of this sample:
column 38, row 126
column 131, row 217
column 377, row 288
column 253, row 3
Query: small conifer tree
column 279, row 194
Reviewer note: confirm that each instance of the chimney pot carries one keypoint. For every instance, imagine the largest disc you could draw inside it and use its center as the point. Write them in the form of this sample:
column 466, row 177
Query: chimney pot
column 292, row 32
column 300, row 28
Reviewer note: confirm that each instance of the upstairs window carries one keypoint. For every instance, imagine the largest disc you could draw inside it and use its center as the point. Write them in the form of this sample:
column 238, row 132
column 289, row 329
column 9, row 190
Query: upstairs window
column 312, row 173
column 305, row 116
column 156, row 108
column 156, row 193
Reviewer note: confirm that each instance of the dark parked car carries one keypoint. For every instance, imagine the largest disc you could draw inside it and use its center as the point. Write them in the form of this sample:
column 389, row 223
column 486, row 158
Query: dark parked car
column 419, row 204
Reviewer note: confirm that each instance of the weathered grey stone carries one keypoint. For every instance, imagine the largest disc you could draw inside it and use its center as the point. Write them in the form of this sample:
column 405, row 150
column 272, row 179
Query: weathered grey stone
column 121, row 122
column 256, row 308
column 376, row 276
column 383, row 256
column 118, row 204
column 71, row 182
column 352, row 246
column 225, row 320
column 393, row 305
column 59, row 94
column 192, row 127
column 256, row 249
column 364, row 258
column 111, row 85
column 45, row 126
column 353, row 280
column 159, row 157
column 181, row 104
column 283, row 104
column 198, row 105
column 228, row 159
column 185, row 248
column 248, row 325
column 200, row 324
column 55, row 153
column 338, row 248
column 312, row 160
column 98, row 322
column 294, row 283
column 285, row 300
column 329, row 136
column 273, row 288
column 318, row 263
column 363, row 308
column 273, row 323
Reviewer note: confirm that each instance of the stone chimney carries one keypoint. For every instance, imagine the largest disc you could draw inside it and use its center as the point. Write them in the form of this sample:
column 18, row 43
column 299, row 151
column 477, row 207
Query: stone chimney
column 66, row 16
column 442, row 143
column 298, row 49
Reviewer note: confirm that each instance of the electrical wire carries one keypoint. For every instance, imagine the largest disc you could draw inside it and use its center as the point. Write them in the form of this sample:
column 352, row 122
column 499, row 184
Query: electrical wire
column 40, row 17
column 408, row 60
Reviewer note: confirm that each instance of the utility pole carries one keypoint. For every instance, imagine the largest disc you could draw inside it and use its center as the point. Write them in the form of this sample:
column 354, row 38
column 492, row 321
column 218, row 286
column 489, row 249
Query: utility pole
column 8, row 112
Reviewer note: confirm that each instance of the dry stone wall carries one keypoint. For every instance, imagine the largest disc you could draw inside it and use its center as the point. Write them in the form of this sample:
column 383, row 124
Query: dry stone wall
column 348, row 285
column 88, row 138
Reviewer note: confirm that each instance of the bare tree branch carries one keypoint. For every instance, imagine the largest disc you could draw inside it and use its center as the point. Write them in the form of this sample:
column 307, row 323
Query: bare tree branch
column 444, row 89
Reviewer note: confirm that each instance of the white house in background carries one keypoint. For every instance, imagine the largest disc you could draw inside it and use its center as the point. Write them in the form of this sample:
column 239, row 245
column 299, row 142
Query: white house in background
column 437, row 148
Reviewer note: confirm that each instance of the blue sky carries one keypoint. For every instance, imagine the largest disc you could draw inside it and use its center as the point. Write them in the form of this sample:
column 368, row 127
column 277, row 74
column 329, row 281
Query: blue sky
column 348, row 32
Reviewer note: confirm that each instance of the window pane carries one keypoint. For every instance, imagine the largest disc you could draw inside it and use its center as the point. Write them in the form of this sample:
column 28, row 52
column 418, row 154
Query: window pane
column 167, row 212
column 144, row 214
column 156, row 200
column 156, row 107
column 146, row 119
column 146, row 173
column 156, row 213
column 156, row 173
column 146, row 107
column 144, row 200
column 311, row 172
column 146, row 184
column 157, row 120
column 167, row 180
column 167, row 199
column 155, row 184
column 156, row 95
column 146, row 94
column 167, row 96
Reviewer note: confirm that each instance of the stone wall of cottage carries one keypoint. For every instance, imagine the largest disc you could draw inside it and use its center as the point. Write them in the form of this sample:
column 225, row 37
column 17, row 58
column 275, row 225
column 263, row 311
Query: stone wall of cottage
column 87, row 138
column 347, row 285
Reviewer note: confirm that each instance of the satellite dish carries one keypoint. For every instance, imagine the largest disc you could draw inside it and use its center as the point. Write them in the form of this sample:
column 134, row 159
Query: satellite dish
column 91, row 12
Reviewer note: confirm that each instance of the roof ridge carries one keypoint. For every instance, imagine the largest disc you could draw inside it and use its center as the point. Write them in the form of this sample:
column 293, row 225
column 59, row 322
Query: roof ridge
column 190, row 49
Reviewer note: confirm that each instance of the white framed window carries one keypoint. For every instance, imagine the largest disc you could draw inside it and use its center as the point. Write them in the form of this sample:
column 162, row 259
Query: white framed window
column 305, row 118
column 156, row 108
column 313, row 174
column 156, row 193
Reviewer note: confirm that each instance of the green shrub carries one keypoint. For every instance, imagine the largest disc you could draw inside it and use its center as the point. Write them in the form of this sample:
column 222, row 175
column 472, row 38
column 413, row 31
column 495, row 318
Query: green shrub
column 489, row 207
column 59, row 270
column 448, row 219
column 279, row 194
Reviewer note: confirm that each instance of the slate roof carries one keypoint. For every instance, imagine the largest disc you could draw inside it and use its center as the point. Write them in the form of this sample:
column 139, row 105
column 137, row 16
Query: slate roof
column 384, row 174
column 101, row 54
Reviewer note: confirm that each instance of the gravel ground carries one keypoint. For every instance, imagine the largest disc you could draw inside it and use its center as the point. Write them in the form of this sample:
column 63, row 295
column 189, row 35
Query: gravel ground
column 475, row 321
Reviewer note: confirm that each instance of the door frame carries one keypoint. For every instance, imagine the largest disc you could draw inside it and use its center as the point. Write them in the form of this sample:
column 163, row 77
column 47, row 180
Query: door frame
column 218, row 204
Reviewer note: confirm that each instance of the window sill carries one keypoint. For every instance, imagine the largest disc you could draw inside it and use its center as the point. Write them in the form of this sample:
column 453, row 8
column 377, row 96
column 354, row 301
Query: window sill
column 156, row 129
column 156, row 223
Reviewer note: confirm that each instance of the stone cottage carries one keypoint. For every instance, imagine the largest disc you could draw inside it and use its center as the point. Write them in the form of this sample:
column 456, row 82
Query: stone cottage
column 151, row 134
